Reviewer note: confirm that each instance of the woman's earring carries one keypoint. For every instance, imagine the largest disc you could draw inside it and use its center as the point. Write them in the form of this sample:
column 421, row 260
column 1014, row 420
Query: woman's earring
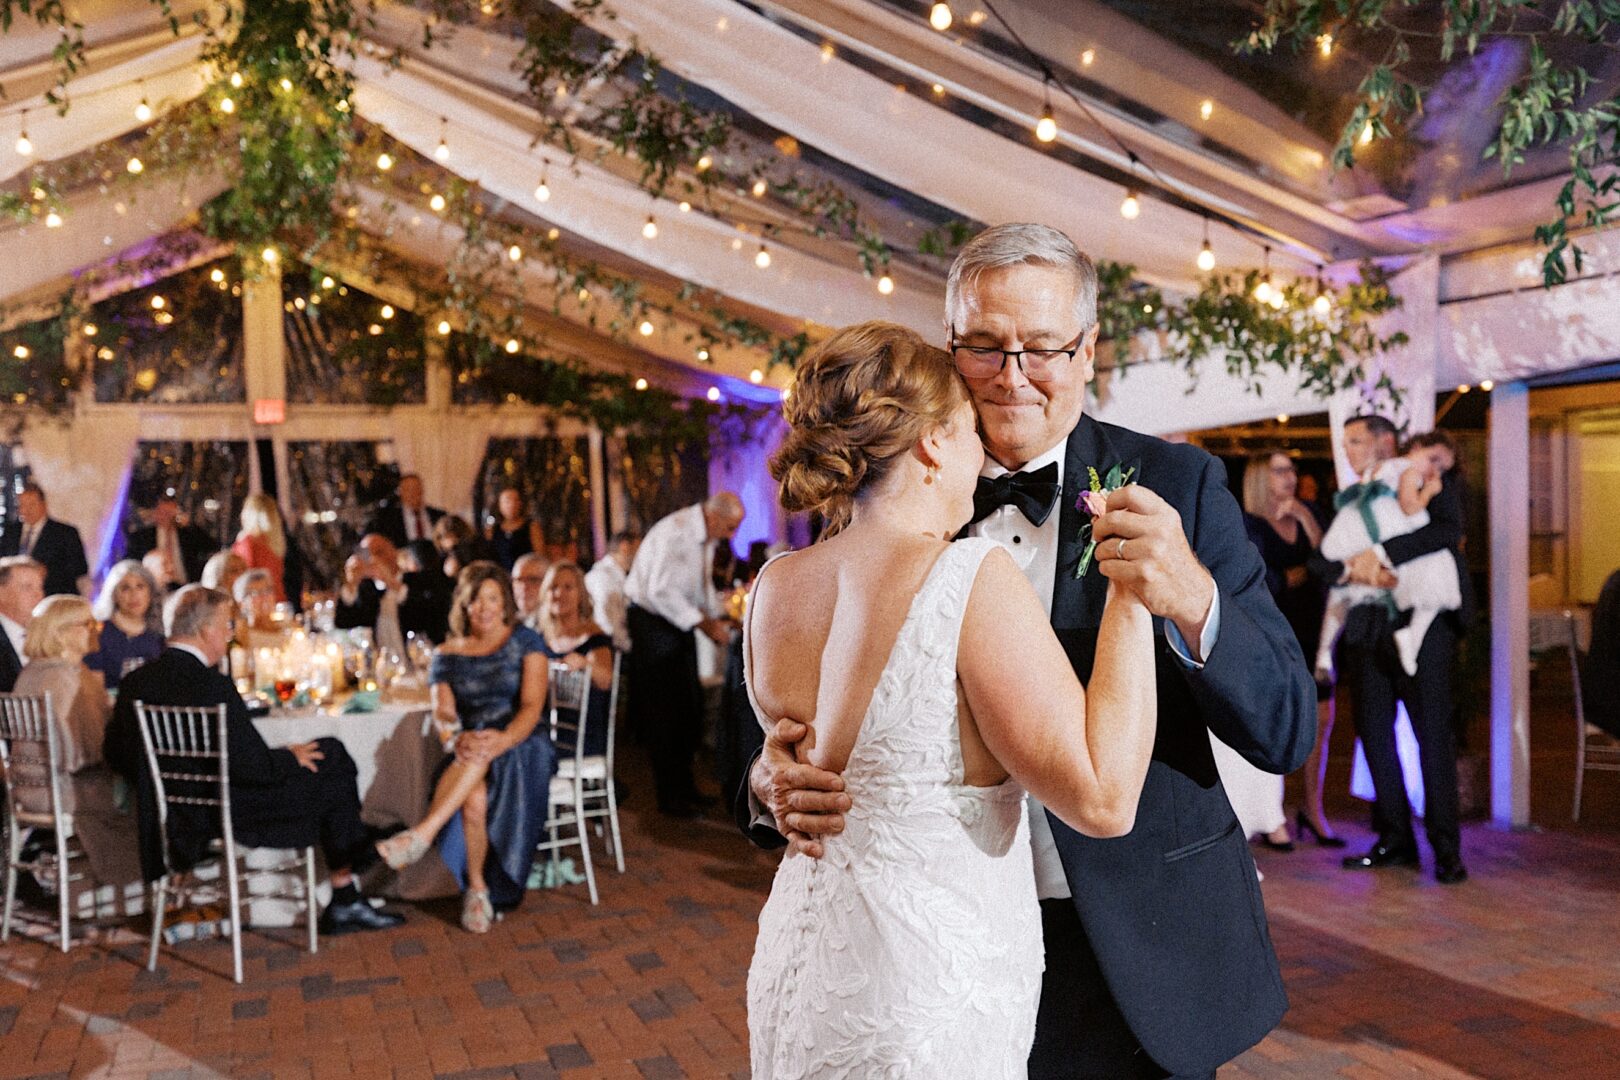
column 933, row 471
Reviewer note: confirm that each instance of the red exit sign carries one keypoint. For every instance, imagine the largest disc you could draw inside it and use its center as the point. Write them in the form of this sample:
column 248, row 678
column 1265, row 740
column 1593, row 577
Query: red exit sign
column 270, row 411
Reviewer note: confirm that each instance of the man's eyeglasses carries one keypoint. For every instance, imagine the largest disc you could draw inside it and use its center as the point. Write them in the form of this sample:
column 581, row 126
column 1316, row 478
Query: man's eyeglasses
column 984, row 362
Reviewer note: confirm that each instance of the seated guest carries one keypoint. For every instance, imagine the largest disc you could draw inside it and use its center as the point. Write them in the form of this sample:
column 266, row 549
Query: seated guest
column 182, row 549
column 22, row 587
column 132, row 627
column 262, row 543
column 1600, row 675
column 490, row 797
column 372, row 591
column 459, row 546
column 255, row 597
column 408, row 517
column 569, row 635
column 222, row 570
column 514, row 533
column 289, row 797
column 53, row 544
column 60, row 636
column 426, row 607
column 528, row 580
column 605, row 583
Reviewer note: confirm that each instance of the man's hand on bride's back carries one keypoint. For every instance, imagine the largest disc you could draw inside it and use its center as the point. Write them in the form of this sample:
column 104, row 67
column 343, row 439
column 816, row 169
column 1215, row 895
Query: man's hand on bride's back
column 808, row 803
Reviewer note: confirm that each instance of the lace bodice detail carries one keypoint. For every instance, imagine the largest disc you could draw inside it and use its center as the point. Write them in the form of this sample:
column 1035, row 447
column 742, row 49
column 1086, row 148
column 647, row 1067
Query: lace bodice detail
column 913, row 947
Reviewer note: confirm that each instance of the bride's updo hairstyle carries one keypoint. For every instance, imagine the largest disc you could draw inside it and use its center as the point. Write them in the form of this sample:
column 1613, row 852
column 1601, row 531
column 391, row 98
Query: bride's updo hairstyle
column 860, row 401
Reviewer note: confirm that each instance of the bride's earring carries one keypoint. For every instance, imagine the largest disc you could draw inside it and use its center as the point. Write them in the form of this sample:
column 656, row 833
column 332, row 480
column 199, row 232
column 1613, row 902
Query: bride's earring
column 933, row 471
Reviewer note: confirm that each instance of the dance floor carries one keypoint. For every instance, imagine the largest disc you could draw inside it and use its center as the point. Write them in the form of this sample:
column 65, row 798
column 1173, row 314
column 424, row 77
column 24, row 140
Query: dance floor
column 1514, row 974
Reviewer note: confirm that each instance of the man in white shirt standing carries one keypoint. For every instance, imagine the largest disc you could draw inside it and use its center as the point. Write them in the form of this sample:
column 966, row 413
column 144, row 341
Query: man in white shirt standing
column 22, row 587
column 606, row 583
column 671, row 597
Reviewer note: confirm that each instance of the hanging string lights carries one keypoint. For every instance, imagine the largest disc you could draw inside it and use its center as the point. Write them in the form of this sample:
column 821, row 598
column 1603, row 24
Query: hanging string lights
column 1206, row 254
column 762, row 258
column 885, row 284
column 650, row 229
column 442, row 151
column 25, row 145
column 1046, row 126
column 940, row 18
column 542, row 190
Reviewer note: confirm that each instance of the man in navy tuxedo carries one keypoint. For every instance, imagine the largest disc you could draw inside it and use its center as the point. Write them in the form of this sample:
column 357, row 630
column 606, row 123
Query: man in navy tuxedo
column 1158, row 959
column 53, row 544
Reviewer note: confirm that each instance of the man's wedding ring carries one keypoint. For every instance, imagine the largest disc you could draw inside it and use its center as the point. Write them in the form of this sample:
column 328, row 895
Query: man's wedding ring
column 1119, row 552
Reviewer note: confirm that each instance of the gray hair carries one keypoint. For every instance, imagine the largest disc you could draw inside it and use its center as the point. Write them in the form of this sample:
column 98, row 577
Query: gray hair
column 107, row 601
column 192, row 608
column 249, row 579
column 1021, row 244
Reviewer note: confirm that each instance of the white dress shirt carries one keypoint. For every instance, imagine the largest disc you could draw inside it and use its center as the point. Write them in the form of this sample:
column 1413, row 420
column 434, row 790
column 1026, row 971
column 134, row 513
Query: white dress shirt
column 605, row 583
column 671, row 574
column 16, row 634
column 1035, row 551
column 417, row 526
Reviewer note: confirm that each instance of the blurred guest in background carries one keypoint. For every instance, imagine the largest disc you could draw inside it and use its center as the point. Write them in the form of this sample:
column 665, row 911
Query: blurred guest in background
column 255, row 597
column 262, row 543
column 572, row 637
column 605, row 583
column 528, row 577
column 513, row 534
column 408, row 517
column 62, row 633
column 53, row 544
column 183, row 548
column 490, row 796
column 372, row 593
column 459, row 545
column 1287, row 533
column 1600, row 675
column 672, row 598
column 22, row 587
column 132, row 624
column 222, row 570
column 426, row 607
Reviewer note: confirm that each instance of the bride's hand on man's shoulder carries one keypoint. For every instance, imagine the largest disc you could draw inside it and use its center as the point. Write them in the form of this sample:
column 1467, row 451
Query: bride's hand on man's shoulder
column 808, row 803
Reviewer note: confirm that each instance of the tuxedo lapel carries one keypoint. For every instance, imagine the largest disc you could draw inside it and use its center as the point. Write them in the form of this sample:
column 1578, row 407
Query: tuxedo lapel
column 1077, row 602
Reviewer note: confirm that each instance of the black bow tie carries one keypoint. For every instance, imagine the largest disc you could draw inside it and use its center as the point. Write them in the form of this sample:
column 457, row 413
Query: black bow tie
column 1035, row 494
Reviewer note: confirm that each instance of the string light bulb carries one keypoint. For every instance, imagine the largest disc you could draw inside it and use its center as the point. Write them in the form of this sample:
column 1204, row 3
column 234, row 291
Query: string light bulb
column 1088, row 57
column 714, row 391
column 542, row 190
column 1323, row 304
column 762, row 258
column 940, row 18
column 385, row 161
column 703, row 353
column 1262, row 291
column 1206, row 258
column 236, row 80
column 650, row 230
column 1366, row 134
column 684, row 207
column 641, row 384
column 91, row 330
column 1046, row 126
column 1487, row 385
column 387, row 311
column 759, row 188
column 286, row 85
column 704, row 163
column 143, row 111
column 53, row 220
column 514, row 253
column 512, row 345
column 444, row 327
column 25, row 145
column 646, row 328
column 227, row 105
column 885, row 285
column 158, row 303
column 270, row 256
column 1324, row 43
column 442, row 151
column 756, row 376
column 1131, row 208
column 216, row 275
column 436, row 204
column 20, row 352
column 1206, row 109
column 134, row 166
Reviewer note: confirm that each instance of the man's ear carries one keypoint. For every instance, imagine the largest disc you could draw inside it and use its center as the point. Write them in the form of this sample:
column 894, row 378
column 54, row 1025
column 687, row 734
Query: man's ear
column 1087, row 356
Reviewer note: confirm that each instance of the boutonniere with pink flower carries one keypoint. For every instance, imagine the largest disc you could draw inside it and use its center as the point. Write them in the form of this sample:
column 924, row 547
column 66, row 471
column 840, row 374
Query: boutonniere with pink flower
column 1094, row 503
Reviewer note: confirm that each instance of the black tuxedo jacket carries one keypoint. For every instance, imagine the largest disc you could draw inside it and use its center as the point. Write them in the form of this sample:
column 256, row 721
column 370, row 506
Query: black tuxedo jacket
column 259, row 814
column 389, row 521
column 426, row 609
column 10, row 665
column 1173, row 910
column 196, row 547
column 58, row 548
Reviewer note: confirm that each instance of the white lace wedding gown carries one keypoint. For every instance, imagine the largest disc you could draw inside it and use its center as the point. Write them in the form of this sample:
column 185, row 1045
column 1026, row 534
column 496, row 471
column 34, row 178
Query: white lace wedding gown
column 912, row 948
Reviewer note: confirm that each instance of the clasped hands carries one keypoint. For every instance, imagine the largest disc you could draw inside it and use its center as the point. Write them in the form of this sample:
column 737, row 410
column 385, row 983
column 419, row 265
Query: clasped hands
column 1364, row 568
column 480, row 746
column 1155, row 561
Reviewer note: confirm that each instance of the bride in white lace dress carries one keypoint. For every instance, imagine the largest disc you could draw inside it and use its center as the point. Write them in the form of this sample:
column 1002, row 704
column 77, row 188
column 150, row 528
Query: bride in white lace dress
column 912, row 948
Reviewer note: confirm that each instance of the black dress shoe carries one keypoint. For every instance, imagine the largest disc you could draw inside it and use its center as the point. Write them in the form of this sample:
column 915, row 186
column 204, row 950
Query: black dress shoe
column 356, row 916
column 1450, row 870
column 1302, row 825
column 1381, row 855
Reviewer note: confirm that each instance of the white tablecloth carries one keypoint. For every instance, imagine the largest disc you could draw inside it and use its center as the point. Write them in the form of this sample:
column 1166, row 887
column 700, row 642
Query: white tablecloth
column 394, row 754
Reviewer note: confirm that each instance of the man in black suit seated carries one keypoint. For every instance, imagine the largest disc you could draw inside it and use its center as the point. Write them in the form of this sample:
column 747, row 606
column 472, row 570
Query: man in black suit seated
column 382, row 595
column 183, row 547
column 53, row 544
column 22, row 587
column 408, row 518
column 289, row 797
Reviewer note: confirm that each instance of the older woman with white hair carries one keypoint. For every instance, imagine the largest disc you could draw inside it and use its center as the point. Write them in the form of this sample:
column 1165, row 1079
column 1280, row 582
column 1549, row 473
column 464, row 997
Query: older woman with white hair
column 63, row 632
column 131, row 621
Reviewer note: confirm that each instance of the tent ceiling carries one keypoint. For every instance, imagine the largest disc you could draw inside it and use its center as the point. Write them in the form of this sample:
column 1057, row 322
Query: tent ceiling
column 911, row 158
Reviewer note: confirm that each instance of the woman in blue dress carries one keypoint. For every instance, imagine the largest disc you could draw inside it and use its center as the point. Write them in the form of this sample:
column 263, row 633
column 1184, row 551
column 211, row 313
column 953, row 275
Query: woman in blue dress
column 131, row 629
column 570, row 636
column 489, row 800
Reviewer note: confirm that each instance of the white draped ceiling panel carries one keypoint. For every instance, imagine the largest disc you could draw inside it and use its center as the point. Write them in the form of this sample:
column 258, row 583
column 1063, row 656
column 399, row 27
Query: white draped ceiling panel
column 856, row 117
column 593, row 203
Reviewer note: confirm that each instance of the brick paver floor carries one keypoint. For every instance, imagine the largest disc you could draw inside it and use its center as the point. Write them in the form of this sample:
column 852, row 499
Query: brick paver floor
column 1514, row 974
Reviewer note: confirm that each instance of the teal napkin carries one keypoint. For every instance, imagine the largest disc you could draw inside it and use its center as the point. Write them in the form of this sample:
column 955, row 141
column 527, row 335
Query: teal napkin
column 363, row 701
